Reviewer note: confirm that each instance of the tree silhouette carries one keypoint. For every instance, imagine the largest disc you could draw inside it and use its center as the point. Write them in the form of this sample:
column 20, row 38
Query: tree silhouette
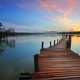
column 1, row 24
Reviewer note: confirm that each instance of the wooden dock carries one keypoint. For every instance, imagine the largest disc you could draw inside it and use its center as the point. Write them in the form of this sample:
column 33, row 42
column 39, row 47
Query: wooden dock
column 57, row 62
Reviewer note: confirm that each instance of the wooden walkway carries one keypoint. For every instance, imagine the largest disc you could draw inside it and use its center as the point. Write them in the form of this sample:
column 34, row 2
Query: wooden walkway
column 57, row 63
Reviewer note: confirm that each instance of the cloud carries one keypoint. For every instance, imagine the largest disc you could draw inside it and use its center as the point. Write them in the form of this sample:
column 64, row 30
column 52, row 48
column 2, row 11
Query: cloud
column 70, row 7
column 24, row 28
column 50, row 5
column 16, row 27
column 54, row 5
column 64, row 8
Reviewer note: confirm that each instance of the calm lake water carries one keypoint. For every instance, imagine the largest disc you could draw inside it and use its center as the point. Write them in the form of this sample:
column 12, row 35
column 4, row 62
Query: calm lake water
column 17, row 53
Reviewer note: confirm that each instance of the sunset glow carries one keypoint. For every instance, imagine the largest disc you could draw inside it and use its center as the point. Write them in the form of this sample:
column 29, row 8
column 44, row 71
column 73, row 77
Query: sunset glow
column 64, row 19
column 40, row 15
column 76, row 29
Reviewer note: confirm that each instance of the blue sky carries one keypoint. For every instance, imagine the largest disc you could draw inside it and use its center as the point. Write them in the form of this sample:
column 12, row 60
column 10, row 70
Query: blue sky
column 40, row 15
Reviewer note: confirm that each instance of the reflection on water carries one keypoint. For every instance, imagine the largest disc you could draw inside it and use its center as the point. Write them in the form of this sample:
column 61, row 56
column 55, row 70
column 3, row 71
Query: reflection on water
column 76, row 44
column 16, row 53
column 6, row 42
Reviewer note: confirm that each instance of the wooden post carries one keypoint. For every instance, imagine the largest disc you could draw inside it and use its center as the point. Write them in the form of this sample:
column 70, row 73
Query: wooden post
column 66, row 35
column 50, row 44
column 42, row 45
column 57, row 41
column 54, row 43
column 36, row 66
column 69, row 41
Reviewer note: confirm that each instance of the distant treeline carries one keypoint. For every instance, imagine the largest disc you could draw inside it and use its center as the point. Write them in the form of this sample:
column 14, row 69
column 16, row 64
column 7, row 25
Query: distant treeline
column 5, row 34
column 6, row 31
column 72, row 33
column 24, row 33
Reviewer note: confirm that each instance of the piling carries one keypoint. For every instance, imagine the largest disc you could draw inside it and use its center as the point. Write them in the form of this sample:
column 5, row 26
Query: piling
column 36, row 66
column 54, row 43
column 57, row 41
column 42, row 46
column 50, row 44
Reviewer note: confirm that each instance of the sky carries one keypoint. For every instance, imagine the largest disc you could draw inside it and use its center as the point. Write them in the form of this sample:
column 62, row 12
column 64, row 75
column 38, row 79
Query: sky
column 40, row 15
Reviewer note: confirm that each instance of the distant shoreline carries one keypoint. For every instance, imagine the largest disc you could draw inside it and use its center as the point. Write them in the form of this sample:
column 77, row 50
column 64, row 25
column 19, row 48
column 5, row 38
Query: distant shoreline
column 5, row 34
column 22, row 34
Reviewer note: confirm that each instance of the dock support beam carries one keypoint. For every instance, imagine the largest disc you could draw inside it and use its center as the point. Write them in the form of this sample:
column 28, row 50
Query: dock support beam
column 54, row 43
column 50, row 44
column 42, row 45
column 57, row 41
column 36, row 66
column 68, row 42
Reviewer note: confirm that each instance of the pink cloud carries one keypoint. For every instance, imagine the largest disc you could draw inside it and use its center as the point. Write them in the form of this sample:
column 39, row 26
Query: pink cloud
column 50, row 5
column 70, row 7
column 54, row 5
column 65, row 7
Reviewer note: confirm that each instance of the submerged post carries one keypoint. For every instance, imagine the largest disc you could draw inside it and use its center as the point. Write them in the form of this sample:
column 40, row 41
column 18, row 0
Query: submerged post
column 42, row 45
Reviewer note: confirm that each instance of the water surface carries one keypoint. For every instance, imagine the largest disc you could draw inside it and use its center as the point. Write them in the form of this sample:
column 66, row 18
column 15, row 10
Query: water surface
column 17, row 54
